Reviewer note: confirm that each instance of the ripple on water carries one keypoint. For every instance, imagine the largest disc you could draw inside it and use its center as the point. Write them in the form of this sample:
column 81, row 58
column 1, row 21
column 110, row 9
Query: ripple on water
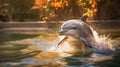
column 54, row 59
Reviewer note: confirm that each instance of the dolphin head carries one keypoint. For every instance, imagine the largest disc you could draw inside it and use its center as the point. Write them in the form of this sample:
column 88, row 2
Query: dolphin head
column 70, row 28
column 77, row 29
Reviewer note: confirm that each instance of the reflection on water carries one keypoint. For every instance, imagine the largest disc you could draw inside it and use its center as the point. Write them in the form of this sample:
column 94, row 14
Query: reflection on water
column 18, row 50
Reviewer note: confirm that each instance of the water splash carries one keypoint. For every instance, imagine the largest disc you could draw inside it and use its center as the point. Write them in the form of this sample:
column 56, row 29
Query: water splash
column 103, row 43
column 63, row 49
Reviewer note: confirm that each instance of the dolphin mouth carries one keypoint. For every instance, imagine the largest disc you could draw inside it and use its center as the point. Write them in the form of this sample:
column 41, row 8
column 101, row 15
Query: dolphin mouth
column 62, row 33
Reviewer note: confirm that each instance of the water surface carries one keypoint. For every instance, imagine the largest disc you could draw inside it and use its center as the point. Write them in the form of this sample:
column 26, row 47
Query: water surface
column 23, row 50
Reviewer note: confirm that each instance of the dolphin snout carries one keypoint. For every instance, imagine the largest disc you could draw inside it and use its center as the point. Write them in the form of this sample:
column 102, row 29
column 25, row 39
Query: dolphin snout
column 61, row 32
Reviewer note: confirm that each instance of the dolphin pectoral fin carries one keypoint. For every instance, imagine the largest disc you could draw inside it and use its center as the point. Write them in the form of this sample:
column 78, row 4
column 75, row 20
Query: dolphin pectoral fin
column 87, row 44
column 61, row 41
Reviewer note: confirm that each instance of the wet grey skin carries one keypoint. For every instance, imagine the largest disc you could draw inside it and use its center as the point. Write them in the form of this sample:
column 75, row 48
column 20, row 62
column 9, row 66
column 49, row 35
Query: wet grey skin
column 83, row 32
column 79, row 30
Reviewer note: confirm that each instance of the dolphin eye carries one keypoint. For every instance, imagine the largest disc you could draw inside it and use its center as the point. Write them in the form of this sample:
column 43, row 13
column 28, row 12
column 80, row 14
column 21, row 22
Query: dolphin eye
column 74, row 27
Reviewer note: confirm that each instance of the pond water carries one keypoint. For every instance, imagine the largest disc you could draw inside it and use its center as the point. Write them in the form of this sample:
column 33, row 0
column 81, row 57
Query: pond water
column 35, row 50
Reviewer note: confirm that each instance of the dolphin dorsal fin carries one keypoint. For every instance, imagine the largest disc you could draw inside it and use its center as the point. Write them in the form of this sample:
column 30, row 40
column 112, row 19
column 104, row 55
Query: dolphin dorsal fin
column 83, row 18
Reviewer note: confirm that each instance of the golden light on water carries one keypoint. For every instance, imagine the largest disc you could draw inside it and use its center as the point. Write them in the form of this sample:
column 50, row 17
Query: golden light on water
column 47, row 56
column 48, row 37
column 65, row 49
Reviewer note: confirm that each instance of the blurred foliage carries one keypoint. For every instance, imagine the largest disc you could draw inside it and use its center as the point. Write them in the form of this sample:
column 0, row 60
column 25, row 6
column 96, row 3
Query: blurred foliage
column 108, row 10
column 19, row 9
column 47, row 10
column 3, row 11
